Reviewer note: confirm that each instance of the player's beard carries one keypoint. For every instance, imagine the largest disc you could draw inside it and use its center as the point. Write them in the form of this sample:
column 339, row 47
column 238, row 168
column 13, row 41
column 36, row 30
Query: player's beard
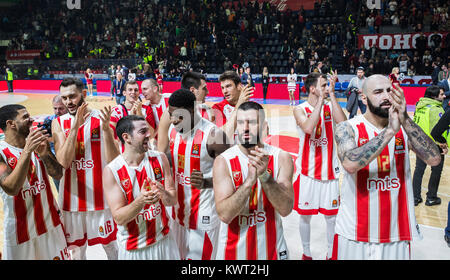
column 249, row 143
column 24, row 129
column 378, row 111
column 78, row 105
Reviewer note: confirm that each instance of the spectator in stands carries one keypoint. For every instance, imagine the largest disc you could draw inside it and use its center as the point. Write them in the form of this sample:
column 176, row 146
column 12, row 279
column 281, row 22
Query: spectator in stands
column 112, row 75
column 435, row 73
column 444, row 74
column 393, row 77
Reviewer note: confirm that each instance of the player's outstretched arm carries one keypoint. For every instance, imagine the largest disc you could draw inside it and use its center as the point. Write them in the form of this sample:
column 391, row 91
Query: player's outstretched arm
column 354, row 158
column 230, row 202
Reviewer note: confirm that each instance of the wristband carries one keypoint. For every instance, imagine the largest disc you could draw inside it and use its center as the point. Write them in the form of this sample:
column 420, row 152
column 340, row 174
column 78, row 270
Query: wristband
column 264, row 177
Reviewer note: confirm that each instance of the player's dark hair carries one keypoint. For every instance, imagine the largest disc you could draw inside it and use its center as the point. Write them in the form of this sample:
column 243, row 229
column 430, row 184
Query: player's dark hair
column 182, row 98
column 252, row 105
column 9, row 112
column 432, row 91
column 230, row 75
column 312, row 78
column 125, row 125
column 192, row 79
column 68, row 81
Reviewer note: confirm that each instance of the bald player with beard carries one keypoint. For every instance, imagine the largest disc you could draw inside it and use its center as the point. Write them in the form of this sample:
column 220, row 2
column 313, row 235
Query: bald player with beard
column 376, row 217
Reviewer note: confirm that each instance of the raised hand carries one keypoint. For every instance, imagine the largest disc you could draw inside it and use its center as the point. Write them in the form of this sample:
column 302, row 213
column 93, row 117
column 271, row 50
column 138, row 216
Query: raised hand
column 398, row 101
column 259, row 159
column 81, row 115
column 394, row 119
column 105, row 116
column 246, row 93
column 34, row 139
column 136, row 109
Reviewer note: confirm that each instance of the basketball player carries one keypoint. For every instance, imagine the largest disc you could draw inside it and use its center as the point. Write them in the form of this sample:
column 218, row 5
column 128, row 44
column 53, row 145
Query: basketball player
column 252, row 189
column 84, row 144
column 194, row 144
column 317, row 180
column 158, row 103
column 195, row 83
column 131, row 106
column 376, row 217
column 234, row 95
column 138, row 184
column 32, row 226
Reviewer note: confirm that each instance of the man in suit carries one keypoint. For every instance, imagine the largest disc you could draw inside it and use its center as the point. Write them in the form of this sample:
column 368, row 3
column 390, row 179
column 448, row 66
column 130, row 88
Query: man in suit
column 119, row 87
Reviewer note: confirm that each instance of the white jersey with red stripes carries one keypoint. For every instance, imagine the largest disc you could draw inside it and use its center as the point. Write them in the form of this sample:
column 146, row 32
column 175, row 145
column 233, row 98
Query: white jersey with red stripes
column 81, row 187
column 33, row 211
column 152, row 223
column 317, row 157
column 377, row 203
column 196, row 207
column 158, row 109
column 257, row 232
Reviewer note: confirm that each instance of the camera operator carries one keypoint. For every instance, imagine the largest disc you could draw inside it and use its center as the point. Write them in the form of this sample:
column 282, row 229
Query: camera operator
column 59, row 109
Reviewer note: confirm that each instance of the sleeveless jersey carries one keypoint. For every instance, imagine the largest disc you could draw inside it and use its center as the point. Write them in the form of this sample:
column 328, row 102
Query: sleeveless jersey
column 159, row 79
column 158, row 109
column 152, row 222
column 33, row 211
column 317, row 157
column 81, row 187
column 196, row 208
column 377, row 202
column 257, row 232
column 222, row 111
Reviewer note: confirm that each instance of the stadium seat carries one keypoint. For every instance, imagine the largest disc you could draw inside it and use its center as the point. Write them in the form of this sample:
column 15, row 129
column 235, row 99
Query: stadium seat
column 344, row 85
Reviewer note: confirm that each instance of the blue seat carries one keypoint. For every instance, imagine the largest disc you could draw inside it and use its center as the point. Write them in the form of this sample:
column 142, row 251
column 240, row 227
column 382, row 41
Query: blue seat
column 344, row 85
column 338, row 86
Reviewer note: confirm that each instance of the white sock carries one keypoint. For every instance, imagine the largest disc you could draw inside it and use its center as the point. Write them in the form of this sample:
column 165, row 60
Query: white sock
column 111, row 250
column 305, row 233
column 331, row 222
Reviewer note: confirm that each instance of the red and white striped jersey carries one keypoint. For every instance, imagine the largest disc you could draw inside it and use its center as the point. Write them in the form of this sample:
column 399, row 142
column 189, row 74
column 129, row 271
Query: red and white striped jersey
column 152, row 222
column 317, row 157
column 257, row 232
column 33, row 211
column 377, row 203
column 196, row 207
column 222, row 111
column 81, row 187
column 158, row 109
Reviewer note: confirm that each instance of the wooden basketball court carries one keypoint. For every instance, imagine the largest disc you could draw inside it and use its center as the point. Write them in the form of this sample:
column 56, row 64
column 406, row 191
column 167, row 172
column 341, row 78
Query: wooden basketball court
column 281, row 122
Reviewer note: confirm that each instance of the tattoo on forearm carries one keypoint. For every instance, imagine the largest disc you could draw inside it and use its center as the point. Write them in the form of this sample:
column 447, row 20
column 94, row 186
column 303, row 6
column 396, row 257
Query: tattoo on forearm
column 348, row 150
column 422, row 145
column 52, row 165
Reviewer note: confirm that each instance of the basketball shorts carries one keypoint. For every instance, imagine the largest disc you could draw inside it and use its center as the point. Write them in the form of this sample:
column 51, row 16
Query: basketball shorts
column 345, row 249
column 313, row 196
column 48, row 246
column 165, row 249
column 91, row 227
column 195, row 244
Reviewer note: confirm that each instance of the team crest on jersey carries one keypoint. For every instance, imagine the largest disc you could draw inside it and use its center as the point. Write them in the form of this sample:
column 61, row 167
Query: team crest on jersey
column 125, row 183
column 399, row 146
column 362, row 141
column 237, row 175
column 12, row 162
column 181, row 161
column 66, row 131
